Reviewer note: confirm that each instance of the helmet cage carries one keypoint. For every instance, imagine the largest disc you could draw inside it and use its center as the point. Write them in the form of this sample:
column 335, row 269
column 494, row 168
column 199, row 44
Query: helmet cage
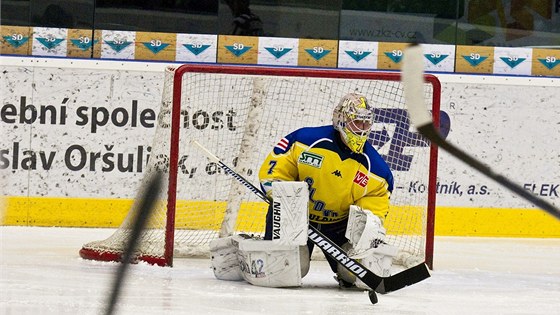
column 353, row 118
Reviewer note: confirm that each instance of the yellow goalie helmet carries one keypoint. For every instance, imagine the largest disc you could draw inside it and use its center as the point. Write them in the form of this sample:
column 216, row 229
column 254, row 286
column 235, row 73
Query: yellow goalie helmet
column 353, row 118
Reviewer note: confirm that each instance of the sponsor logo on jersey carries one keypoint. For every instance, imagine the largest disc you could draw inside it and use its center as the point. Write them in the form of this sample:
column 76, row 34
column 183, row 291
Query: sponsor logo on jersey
column 337, row 173
column 361, row 179
column 311, row 159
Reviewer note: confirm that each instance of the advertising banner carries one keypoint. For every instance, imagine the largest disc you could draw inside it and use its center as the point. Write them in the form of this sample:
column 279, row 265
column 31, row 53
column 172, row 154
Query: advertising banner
column 87, row 133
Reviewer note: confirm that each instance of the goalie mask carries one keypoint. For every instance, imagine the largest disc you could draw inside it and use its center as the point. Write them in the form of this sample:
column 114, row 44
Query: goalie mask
column 353, row 118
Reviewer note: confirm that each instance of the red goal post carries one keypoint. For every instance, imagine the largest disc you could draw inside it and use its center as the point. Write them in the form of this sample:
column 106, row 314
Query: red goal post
column 239, row 113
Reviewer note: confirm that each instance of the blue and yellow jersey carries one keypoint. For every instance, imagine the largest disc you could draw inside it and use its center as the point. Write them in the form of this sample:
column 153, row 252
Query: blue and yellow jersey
column 336, row 176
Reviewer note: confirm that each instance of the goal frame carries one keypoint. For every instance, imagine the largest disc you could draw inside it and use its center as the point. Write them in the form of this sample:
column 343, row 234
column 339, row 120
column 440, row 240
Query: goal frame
column 290, row 72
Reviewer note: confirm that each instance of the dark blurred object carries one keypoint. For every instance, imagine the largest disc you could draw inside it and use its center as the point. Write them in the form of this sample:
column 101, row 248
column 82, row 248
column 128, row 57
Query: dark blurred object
column 56, row 16
column 72, row 14
column 245, row 22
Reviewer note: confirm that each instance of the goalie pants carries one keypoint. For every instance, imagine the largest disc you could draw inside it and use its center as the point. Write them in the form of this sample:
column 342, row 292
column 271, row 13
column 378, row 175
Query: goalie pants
column 334, row 231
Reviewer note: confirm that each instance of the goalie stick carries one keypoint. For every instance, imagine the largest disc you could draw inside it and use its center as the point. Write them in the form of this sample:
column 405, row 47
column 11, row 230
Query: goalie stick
column 413, row 82
column 147, row 199
column 381, row 285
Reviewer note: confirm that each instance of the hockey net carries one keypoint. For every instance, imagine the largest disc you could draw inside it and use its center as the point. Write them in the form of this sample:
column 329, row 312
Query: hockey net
column 239, row 114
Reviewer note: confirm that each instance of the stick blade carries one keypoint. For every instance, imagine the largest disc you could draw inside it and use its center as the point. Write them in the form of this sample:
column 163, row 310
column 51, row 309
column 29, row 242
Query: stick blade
column 403, row 279
column 413, row 84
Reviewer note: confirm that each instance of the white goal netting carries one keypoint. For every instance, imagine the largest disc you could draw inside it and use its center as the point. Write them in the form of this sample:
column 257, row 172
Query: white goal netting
column 239, row 114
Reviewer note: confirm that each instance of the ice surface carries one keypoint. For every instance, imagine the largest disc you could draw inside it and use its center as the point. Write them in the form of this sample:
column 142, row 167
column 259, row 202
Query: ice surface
column 42, row 273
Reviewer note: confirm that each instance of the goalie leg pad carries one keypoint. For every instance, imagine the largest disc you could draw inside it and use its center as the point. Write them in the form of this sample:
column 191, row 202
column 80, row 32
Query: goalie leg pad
column 378, row 260
column 224, row 258
column 381, row 260
column 304, row 260
column 264, row 263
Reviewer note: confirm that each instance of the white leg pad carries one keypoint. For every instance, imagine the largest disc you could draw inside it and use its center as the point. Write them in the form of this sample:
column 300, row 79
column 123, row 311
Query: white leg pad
column 378, row 260
column 266, row 264
column 289, row 213
column 224, row 258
